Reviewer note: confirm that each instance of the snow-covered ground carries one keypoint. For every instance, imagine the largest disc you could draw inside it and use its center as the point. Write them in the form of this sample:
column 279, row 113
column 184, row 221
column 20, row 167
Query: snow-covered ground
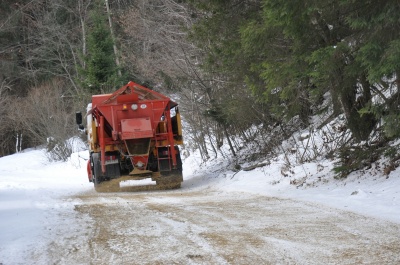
column 30, row 192
column 34, row 193
column 368, row 193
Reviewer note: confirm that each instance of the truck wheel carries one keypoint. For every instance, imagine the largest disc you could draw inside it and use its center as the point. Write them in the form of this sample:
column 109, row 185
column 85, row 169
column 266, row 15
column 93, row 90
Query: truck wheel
column 97, row 178
column 101, row 184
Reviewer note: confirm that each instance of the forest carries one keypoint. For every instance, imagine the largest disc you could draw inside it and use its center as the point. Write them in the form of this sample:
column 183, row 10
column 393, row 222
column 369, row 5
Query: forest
column 245, row 72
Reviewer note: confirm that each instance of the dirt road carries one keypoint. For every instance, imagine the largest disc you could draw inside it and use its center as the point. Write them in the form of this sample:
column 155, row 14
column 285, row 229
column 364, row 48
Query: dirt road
column 210, row 227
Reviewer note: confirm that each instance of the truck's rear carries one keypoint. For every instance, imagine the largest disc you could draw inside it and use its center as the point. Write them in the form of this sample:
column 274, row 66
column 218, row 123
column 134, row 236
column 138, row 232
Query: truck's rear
column 133, row 134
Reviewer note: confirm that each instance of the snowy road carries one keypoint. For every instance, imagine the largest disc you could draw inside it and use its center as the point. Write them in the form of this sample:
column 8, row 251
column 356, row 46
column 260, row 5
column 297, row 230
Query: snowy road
column 210, row 227
column 50, row 214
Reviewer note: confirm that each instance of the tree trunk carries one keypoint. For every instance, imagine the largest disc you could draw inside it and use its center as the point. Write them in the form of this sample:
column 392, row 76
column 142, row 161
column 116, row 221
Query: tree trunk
column 113, row 38
column 359, row 125
column 229, row 141
column 83, row 40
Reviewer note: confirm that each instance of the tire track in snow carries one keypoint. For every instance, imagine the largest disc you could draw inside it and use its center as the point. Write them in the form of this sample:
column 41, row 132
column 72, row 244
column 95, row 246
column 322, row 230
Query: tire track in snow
column 203, row 227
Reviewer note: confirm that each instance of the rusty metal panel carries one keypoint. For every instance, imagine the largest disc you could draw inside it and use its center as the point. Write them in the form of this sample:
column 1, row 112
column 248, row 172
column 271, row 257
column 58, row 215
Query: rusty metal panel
column 136, row 128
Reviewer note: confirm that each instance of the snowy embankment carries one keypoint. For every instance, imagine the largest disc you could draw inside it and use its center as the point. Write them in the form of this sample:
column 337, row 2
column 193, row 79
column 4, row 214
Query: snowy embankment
column 303, row 170
column 34, row 193
column 368, row 193
column 31, row 189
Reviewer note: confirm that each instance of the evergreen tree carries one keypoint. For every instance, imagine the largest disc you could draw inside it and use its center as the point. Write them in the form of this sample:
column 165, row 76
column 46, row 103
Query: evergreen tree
column 290, row 53
column 218, row 34
column 377, row 34
column 101, row 72
column 309, row 49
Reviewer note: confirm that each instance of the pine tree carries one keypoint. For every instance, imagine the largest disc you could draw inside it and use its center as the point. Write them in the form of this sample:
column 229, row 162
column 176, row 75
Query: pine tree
column 101, row 72
column 309, row 49
column 377, row 34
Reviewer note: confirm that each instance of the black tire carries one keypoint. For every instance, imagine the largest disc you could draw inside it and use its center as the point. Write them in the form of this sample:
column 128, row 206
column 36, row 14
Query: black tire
column 97, row 174
column 104, row 183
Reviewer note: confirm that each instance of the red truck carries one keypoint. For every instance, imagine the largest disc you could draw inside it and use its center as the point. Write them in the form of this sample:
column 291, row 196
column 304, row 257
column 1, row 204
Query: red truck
column 133, row 134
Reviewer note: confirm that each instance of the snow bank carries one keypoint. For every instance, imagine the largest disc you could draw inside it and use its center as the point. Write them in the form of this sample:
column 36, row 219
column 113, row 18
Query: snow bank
column 368, row 193
column 30, row 199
